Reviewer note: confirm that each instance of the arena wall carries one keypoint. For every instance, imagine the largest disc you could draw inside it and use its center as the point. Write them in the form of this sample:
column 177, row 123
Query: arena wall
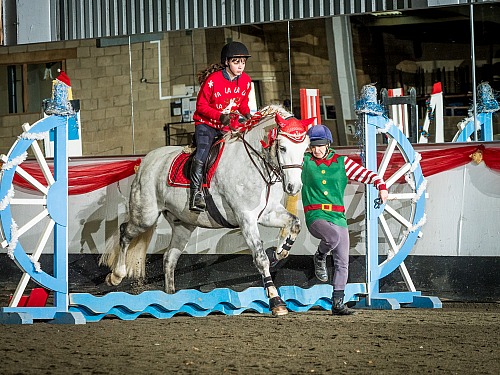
column 457, row 256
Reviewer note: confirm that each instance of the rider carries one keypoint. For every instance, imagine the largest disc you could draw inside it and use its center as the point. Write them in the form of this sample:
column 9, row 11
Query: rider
column 324, row 176
column 224, row 90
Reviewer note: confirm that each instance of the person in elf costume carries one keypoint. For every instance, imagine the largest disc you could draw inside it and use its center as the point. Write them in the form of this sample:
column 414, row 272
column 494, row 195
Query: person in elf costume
column 223, row 97
column 325, row 175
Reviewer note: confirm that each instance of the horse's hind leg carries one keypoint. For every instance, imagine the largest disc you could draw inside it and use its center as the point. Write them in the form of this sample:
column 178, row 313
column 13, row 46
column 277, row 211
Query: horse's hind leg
column 130, row 231
column 181, row 233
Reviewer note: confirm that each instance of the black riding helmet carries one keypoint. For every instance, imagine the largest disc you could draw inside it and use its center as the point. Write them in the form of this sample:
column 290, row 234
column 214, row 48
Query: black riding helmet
column 233, row 50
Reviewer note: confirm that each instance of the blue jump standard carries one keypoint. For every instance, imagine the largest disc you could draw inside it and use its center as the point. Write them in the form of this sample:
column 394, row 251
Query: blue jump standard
column 198, row 304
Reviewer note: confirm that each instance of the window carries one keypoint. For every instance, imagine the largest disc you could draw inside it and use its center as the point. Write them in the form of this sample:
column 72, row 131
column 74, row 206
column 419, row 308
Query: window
column 24, row 86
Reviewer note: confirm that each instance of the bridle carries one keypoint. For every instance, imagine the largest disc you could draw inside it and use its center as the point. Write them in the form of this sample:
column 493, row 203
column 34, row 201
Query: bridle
column 294, row 139
column 271, row 173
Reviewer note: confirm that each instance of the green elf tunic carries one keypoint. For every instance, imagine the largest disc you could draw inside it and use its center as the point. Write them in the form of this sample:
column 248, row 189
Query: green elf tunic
column 324, row 182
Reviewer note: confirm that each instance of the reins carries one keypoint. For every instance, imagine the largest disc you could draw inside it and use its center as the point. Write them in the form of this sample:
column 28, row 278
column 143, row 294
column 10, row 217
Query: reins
column 271, row 173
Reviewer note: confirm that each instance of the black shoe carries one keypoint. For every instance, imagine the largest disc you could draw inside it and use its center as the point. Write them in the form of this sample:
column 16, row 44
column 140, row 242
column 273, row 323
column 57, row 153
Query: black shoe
column 197, row 201
column 320, row 267
column 339, row 308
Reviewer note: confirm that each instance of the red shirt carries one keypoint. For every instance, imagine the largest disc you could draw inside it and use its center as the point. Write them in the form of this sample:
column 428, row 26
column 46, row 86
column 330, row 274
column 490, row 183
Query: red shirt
column 219, row 95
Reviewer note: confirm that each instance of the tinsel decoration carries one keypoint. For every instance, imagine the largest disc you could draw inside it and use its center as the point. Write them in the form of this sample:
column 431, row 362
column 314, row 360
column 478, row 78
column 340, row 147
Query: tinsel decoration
column 430, row 114
column 32, row 136
column 359, row 134
column 413, row 228
column 60, row 103
column 14, row 162
column 14, row 238
column 486, row 100
column 36, row 264
column 6, row 200
column 424, row 133
column 368, row 103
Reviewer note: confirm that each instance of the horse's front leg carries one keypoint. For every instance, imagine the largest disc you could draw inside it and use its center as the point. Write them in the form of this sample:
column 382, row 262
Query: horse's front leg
column 251, row 234
column 279, row 217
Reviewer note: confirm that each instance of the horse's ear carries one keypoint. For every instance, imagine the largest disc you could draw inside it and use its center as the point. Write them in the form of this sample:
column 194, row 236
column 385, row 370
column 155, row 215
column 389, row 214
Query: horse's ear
column 280, row 120
column 308, row 122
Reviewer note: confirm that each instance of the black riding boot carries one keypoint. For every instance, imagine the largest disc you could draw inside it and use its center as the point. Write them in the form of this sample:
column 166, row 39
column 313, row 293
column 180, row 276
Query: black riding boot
column 196, row 199
column 338, row 306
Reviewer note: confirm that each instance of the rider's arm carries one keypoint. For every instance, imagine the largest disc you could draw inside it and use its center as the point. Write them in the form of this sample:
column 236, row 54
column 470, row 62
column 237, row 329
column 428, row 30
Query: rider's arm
column 205, row 104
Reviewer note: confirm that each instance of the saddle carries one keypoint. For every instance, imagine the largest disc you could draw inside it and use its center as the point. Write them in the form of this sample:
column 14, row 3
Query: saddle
column 179, row 172
column 179, row 176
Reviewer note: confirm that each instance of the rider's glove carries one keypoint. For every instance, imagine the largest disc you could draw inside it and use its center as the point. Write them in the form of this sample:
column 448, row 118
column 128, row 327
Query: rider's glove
column 225, row 119
column 248, row 116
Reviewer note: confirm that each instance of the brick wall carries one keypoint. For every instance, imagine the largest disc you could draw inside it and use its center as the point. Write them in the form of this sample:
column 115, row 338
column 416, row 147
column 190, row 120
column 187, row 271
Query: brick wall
column 100, row 78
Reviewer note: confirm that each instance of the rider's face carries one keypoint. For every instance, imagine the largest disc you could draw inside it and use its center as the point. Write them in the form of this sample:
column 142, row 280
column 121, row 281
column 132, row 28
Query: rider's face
column 237, row 65
column 319, row 152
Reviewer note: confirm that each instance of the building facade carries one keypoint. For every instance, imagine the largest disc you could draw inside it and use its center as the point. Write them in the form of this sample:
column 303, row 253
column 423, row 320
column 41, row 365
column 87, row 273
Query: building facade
column 133, row 64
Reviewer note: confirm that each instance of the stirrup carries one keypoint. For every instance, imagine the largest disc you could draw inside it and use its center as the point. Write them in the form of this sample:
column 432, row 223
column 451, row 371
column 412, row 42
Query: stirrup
column 197, row 202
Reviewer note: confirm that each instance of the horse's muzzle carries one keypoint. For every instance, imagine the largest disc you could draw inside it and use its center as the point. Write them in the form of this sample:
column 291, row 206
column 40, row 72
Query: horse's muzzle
column 289, row 187
column 292, row 189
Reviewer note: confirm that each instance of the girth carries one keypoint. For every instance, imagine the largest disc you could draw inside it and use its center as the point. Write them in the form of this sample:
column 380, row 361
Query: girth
column 211, row 208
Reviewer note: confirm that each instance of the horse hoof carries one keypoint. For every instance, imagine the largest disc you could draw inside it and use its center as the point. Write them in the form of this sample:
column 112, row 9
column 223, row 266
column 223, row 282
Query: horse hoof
column 111, row 280
column 277, row 306
column 283, row 254
column 279, row 311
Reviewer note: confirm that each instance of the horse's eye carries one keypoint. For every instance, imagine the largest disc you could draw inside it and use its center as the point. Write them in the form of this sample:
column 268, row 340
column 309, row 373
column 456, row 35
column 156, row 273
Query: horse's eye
column 282, row 149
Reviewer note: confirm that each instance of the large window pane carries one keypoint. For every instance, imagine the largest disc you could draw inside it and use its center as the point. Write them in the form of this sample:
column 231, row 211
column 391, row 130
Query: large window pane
column 418, row 49
column 487, row 51
column 23, row 87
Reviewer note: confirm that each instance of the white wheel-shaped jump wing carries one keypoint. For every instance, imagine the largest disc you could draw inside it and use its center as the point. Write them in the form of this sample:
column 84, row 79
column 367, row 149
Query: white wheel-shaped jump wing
column 50, row 202
column 400, row 219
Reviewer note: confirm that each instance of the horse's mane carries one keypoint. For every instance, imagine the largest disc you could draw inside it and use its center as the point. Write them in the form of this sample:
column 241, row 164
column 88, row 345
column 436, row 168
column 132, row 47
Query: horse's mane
column 258, row 131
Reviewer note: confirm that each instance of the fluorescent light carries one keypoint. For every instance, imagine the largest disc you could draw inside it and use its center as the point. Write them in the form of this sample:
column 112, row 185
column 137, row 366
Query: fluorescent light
column 387, row 14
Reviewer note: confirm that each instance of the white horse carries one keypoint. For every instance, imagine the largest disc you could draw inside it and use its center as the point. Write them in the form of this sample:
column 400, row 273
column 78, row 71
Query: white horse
column 245, row 191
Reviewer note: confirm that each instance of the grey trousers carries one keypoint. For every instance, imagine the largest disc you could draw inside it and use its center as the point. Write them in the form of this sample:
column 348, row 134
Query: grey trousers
column 334, row 239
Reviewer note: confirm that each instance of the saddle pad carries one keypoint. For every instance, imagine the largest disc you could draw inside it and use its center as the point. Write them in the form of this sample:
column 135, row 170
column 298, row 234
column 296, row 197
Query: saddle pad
column 178, row 174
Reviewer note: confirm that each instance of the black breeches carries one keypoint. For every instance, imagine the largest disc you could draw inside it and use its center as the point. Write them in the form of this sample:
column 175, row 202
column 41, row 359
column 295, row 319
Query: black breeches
column 204, row 138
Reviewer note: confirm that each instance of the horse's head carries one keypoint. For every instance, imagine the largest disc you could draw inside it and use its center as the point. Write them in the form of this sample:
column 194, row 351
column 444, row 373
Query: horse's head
column 291, row 142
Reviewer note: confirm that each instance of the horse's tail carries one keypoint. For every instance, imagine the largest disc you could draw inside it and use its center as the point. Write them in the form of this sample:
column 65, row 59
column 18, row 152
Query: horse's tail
column 136, row 253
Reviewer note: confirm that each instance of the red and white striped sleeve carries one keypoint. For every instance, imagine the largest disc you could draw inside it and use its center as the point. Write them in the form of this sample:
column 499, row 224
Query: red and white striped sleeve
column 357, row 172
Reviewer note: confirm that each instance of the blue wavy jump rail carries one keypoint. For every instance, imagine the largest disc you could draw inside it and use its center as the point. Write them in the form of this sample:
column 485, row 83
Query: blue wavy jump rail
column 161, row 305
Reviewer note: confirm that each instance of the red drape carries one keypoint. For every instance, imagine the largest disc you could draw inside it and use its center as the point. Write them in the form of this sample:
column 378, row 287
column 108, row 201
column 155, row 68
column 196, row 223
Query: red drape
column 437, row 161
column 491, row 158
column 89, row 177
column 83, row 178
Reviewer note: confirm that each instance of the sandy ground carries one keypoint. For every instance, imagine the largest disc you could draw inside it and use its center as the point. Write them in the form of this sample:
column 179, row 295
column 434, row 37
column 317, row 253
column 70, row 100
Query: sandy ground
column 457, row 339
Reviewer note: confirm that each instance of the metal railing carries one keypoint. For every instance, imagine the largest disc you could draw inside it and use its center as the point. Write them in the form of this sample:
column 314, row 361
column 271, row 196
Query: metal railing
column 178, row 133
